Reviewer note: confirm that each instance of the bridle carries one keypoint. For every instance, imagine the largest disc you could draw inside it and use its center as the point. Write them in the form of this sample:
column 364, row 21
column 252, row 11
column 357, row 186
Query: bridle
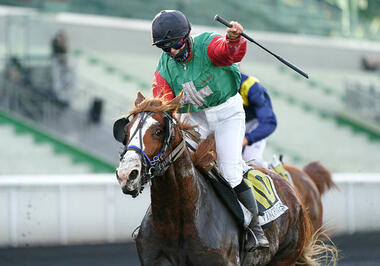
column 159, row 164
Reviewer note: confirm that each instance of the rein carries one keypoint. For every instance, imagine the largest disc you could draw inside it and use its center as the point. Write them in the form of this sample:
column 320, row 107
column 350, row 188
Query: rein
column 158, row 165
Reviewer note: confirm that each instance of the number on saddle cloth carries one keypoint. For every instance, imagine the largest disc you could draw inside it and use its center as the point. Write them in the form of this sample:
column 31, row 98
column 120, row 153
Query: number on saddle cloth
column 268, row 201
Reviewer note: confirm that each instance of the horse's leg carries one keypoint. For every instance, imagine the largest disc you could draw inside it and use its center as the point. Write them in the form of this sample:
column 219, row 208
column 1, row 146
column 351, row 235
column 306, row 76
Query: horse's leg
column 159, row 261
column 149, row 247
column 151, row 254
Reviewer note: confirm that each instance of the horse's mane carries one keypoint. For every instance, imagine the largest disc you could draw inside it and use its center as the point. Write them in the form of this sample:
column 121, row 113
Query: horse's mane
column 154, row 105
column 205, row 155
column 157, row 105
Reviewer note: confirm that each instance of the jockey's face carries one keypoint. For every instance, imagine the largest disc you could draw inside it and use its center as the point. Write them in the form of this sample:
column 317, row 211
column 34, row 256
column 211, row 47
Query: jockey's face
column 179, row 50
column 173, row 47
column 174, row 52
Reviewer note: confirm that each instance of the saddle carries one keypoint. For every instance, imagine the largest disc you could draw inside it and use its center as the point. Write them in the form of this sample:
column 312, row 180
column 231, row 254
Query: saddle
column 269, row 203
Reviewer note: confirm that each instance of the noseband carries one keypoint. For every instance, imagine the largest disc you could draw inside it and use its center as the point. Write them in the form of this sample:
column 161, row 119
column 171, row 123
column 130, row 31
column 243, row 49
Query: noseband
column 158, row 165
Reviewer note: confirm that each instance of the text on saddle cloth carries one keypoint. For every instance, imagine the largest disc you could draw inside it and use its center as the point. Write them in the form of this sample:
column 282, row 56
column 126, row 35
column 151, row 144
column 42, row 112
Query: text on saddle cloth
column 268, row 201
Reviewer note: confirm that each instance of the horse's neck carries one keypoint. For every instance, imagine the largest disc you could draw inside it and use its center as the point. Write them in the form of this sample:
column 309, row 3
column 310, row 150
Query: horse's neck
column 175, row 195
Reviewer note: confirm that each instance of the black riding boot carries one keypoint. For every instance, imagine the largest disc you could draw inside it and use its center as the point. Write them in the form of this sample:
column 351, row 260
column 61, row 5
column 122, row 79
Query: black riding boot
column 256, row 238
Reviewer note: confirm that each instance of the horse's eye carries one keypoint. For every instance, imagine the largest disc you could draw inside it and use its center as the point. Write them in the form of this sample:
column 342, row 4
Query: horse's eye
column 158, row 132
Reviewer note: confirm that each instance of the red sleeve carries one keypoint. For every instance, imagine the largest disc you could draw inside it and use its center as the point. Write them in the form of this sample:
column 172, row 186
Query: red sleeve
column 161, row 88
column 225, row 52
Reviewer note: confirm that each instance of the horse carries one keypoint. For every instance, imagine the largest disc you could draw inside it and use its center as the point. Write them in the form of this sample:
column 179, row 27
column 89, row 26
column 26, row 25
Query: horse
column 187, row 223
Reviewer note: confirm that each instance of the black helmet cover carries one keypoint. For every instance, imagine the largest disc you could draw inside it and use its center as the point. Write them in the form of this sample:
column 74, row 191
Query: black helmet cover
column 169, row 26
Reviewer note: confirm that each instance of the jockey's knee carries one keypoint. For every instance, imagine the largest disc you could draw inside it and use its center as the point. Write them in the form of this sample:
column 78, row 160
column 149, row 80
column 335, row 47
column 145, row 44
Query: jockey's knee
column 232, row 173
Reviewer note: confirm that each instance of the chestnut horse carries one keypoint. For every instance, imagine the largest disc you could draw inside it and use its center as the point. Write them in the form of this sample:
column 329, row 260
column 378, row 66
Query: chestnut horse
column 187, row 223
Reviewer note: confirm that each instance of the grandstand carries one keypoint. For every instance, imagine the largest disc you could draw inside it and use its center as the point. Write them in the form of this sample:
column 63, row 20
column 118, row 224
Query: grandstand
column 29, row 150
column 33, row 157
column 113, row 59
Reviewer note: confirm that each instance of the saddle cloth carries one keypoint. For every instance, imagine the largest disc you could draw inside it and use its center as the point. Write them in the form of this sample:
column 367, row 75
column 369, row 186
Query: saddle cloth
column 279, row 168
column 268, row 201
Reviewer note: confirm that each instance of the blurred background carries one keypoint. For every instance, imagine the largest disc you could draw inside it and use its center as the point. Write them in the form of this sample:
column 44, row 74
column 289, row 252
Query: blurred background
column 69, row 68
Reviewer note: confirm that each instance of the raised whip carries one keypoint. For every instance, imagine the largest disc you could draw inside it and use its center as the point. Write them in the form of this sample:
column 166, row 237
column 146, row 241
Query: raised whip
column 226, row 23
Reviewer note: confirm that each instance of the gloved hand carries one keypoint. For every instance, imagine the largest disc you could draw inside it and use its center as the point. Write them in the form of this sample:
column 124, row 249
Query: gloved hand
column 234, row 32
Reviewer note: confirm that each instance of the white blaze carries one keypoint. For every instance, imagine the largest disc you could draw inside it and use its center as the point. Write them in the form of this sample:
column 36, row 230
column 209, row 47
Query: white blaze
column 135, row 141
column 131, row 159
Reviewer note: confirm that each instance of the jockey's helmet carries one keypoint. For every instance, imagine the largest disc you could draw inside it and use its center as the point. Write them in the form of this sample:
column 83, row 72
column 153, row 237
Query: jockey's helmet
column 168, row 26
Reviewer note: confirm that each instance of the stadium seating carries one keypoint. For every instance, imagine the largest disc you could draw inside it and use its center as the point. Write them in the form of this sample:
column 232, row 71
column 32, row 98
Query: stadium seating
column 24, row 155
column 306, row 110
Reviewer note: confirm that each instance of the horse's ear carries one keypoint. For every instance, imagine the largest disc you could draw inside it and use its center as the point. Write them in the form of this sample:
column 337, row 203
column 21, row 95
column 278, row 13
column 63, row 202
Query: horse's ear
column 139, row 98
column 177, row 100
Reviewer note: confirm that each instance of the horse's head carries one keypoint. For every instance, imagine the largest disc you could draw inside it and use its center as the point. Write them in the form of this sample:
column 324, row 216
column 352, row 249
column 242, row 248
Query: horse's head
column 151, row 141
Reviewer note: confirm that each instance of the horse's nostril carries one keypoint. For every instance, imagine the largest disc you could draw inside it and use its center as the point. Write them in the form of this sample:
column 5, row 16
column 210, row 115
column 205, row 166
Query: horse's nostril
column 133, row 174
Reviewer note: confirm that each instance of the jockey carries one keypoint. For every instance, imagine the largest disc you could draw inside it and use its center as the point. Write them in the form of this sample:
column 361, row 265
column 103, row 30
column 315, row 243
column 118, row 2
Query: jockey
column 204, row 68
column 260, row 119
column 260, row 123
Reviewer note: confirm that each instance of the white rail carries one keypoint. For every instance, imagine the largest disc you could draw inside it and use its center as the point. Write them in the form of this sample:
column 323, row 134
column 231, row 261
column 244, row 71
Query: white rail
column 67, row 209
column 355, row 206
column 58, row 180
column 73, row 209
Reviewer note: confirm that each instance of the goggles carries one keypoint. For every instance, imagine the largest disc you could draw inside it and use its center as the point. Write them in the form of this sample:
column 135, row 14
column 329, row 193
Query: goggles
column 173, row 44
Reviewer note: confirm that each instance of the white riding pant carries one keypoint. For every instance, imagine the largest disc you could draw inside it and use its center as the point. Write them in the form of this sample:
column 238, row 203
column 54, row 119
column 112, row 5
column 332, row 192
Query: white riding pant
column 227, row 122
column 253, row 154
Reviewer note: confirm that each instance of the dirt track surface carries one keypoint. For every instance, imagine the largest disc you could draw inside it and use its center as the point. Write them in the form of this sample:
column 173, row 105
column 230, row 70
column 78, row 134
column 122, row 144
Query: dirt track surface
column 357, row 249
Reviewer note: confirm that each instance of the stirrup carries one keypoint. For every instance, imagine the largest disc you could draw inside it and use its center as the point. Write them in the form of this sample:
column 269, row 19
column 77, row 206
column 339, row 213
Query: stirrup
column 260, row 235
column 250, row 232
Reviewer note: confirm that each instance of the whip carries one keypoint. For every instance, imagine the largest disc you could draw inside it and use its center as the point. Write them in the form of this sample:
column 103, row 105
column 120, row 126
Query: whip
column 226, row 23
